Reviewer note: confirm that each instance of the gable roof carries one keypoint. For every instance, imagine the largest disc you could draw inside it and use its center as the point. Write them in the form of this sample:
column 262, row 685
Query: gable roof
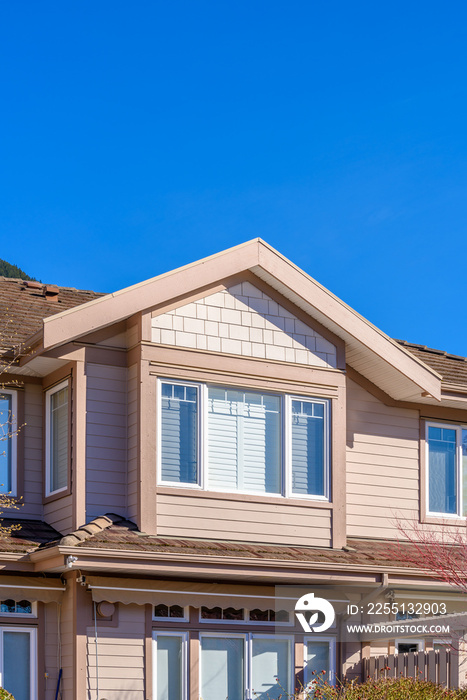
column 369, row 351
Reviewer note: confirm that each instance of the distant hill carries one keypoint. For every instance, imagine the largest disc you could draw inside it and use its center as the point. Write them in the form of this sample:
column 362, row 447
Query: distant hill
column 8, row 270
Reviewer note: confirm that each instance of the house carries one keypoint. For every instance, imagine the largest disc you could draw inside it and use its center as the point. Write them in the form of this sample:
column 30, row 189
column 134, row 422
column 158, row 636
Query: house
column 192, row 450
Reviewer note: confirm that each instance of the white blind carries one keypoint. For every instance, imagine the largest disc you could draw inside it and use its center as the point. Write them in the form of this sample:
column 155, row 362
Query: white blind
column 179, row 436
column 59, row 439
column 244, row 444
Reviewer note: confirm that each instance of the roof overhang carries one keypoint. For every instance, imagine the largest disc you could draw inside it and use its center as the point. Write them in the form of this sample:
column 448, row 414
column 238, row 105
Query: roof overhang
column 368, row 350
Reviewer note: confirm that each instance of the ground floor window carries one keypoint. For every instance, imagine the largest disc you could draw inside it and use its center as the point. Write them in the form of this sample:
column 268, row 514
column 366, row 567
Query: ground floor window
column 18, row 666
column 238, row 665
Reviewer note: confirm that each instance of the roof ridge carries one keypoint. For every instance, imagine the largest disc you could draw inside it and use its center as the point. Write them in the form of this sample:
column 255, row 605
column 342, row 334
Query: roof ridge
column 102, row 522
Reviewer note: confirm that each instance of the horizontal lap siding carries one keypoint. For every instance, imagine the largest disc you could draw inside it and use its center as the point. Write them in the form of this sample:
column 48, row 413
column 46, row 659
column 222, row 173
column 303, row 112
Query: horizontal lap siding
column 106, row 440
column 382, row 465
column 31, row 435
column 180, row 515
column 51, row 643
column 120, row 657
column 132, row 494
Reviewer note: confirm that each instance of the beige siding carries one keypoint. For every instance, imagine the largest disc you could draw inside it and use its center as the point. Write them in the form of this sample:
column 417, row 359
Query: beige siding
column 120, row 657
column 51, row 649
column 382, row 465
column 31, row 435
column 132, row 493
column 181, row 515
column 106, row 440
column 67, row 643
column 58, row 514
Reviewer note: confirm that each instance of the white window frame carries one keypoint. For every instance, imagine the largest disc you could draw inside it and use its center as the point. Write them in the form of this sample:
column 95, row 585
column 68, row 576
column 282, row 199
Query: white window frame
column 246, row 620
column 332, row 658
column 48, row 394
column 408, row 640
column 459, row 496
column 248, row 663
column 13, row 440
column 33, row 655
column 185, row 618
column 33, row 612
column 201, row 433
column 286, row 442
column 184, row 645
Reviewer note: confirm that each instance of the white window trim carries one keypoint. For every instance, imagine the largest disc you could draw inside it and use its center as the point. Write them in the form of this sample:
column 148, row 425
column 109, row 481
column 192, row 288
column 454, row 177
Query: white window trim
column 185, row 618
column 13, row 440
column 408, row 640
column 33, row 655
column 459, row 498
column 248, row 646
column 246, row 620
column 286, row 443
column 48, row 394
column 185, row 675
column 201, row 434
column 33, row 612
column 332, row 658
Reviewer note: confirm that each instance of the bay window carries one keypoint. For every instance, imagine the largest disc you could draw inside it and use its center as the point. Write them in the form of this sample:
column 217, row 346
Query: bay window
column 230, row 439
column 8, row 428
column 446, row 469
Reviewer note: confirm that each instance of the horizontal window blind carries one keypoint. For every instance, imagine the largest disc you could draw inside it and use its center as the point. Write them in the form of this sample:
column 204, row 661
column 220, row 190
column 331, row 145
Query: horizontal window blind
column 179, row 435
column 244, row 443
column 308, row 448
column 59, row 439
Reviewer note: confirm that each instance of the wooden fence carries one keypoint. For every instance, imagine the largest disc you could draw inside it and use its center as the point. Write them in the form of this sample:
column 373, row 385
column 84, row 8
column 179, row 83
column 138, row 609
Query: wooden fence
column 440, row 666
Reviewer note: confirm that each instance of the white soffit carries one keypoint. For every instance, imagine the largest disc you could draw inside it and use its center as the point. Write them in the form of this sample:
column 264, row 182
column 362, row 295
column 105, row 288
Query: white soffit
column 369, row 351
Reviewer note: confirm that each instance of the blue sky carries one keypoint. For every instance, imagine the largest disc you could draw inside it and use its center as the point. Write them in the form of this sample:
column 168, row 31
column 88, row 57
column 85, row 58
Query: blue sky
column 137, row 137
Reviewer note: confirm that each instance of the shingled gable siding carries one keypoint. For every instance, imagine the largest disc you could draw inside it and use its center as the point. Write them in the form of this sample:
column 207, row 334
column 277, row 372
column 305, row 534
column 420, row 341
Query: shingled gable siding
column 382, row 464
column 181, row 515
column 243, row 320
column 120, row 656
column 106, row 440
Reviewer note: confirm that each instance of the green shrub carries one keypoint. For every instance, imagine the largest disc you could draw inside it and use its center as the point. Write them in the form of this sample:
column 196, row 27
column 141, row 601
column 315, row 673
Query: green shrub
column 385, row 689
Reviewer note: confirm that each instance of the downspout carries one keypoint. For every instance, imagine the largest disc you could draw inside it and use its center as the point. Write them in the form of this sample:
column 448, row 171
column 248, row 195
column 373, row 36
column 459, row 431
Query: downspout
column 97, row 654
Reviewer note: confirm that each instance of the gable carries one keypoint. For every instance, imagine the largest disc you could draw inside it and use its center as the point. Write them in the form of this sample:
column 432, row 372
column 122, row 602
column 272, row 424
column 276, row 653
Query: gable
column 243, row 320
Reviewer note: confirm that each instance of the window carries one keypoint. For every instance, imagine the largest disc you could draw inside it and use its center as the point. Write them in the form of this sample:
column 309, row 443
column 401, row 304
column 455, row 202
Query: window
column 20, row 608
column 221, row 614
column 8, row 427
column 245, row 665
column 170, row 612
column 57, row 438
column 170, row 654
column 446, row 470
column 405, row 646
column 18, row 665
column 230, row 439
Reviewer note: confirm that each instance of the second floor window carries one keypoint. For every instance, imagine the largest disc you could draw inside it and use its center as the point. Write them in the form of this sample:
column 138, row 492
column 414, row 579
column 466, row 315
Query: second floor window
column 8, row 428
column 230, row 439
column 447, row 469
column 57, row 437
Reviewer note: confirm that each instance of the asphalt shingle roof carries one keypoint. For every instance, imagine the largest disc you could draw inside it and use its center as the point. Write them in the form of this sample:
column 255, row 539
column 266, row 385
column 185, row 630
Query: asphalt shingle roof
column 23, row 306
